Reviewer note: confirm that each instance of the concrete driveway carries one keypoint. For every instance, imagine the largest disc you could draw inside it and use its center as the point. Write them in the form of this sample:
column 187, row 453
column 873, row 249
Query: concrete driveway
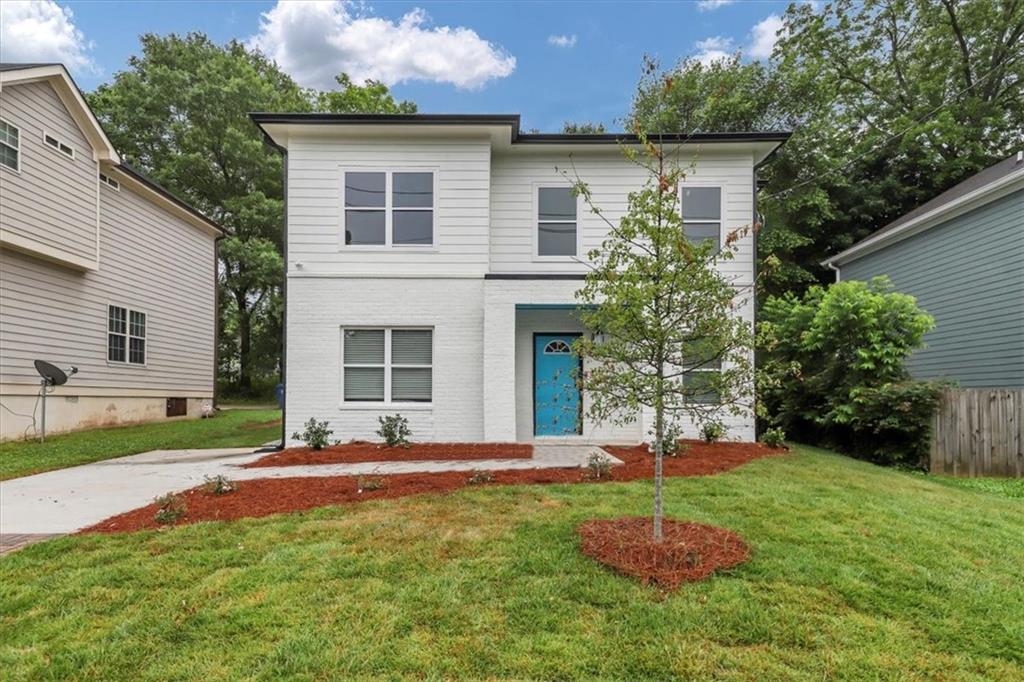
column 68, row 500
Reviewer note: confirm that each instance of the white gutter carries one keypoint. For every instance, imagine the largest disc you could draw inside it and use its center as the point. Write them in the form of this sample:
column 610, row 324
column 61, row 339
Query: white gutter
column 989, row 192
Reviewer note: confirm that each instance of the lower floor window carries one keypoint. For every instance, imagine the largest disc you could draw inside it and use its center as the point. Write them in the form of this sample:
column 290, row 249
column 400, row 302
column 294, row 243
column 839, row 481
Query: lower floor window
column 701, row 382
column 387, row 365
column 126, row 335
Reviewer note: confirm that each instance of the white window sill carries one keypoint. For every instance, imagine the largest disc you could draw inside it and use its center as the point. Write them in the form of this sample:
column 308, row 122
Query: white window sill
column 386, row 407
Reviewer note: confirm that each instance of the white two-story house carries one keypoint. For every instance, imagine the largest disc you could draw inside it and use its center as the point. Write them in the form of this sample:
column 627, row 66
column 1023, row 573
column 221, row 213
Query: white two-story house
column 433, row 260
column 100, row 269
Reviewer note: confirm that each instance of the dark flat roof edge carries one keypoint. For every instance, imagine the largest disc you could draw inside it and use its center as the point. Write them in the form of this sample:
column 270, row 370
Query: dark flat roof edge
column 513, row 121
column 162, row 191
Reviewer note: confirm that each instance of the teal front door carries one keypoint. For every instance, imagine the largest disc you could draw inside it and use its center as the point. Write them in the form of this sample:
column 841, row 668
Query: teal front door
column 556, row 398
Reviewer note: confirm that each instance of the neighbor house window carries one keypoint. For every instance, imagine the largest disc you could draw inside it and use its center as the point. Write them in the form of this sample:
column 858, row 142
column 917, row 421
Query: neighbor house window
column 126, row 335
column 389, row 208
column 387, row 365
column 10, row 145
column 556, row 221
column 61, row 146
column 110, row 182
column 702, row 214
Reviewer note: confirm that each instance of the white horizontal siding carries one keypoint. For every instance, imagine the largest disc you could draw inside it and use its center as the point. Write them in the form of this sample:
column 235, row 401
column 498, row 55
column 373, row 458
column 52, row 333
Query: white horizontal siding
column 53, row 199
column 462, row 197
column 611, row 177
column 150, row 261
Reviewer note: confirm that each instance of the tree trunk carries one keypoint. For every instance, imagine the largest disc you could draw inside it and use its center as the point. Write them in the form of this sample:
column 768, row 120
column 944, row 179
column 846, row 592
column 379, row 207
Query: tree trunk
column 244, row 343
column 659, row 432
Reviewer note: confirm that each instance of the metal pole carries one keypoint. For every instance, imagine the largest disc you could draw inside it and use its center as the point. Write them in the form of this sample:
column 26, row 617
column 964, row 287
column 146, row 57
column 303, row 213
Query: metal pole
column 42, row 437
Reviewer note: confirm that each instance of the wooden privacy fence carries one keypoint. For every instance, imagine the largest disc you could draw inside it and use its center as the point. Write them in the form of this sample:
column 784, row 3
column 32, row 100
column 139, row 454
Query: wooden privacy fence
column 978, row 432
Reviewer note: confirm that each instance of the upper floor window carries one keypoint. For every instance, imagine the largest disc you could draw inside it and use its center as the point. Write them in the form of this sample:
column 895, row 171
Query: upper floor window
column 557, row 227
column 702, row 214
column 59, row 145
column 10, row 146
column 389, row 208
column 126, row 335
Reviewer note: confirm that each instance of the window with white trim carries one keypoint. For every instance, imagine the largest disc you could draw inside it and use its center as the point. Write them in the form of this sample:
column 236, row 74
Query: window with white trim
column 126, row 335
column 556, row 221
column 10, row 146
column 388, row 365
column 389, row 208
column 702, row 213
column 110, row 182
column 701, row 380
column 61, row 146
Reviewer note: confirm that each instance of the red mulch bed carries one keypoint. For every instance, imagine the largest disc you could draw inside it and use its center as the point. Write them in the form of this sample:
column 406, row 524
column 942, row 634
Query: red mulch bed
column 688, row 551
column 362, row 451
column 263, row 497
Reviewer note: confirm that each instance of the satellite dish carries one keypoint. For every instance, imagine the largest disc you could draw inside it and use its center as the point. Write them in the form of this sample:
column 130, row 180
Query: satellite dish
column 52, row 375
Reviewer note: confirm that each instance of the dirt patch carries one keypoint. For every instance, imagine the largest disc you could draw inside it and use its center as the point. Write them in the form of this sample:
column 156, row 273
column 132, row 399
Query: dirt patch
column 262, row 497
column 688, row 551
column 362, row 451
column 254, row 426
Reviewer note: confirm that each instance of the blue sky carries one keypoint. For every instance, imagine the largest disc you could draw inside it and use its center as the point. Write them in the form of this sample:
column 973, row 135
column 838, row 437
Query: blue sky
column 549, row 61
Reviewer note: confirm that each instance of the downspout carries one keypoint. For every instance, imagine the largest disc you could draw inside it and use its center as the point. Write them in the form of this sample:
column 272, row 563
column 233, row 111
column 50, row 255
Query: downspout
column 284, row 298
column 832, row 266
column 216, row 313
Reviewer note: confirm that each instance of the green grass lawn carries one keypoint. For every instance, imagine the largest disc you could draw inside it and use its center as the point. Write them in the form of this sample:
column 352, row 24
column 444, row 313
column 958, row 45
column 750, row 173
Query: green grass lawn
column 230, row 428
column 858, row 572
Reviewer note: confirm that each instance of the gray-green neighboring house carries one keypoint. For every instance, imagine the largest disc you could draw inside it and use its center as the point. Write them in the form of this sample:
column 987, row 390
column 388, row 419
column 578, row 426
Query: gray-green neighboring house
column 962, row 256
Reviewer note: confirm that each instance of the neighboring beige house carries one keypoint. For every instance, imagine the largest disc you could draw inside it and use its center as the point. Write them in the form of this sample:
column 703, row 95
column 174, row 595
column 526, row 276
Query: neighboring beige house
column 100, row 269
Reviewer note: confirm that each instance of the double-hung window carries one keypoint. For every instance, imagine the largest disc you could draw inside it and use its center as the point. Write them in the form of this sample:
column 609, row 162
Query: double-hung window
column 557, row 225
column 387, row 365
column 702, row 214
column 389, row 208
column 10, row 146
column 700, row 383
column 126, row 335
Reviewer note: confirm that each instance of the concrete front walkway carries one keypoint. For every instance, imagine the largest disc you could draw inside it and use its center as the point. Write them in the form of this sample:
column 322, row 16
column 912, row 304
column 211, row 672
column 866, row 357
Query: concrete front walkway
column 67, row 500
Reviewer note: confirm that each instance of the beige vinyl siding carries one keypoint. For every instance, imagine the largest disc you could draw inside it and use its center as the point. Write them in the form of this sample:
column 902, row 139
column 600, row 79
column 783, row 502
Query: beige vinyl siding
column 151, row 262
column 53, row 199
column 462, row 199
column 611, row 177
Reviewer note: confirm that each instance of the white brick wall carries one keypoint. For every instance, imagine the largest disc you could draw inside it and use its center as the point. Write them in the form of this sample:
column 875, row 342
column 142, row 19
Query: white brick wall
column 318, row 308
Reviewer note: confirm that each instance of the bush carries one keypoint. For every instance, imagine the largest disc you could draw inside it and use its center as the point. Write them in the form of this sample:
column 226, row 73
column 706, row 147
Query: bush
column 832, row 370
column 480, row 476
column 219, row 485
column 712, row 431
column 394, row 430
column 599, row 467
column 171, row 507
column 671, row 441
column 774, row 438
column 315, row 435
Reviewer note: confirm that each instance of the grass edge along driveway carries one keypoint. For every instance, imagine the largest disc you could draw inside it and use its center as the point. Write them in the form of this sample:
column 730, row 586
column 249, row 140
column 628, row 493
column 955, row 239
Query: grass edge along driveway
column 857, row 572
column 230, row 428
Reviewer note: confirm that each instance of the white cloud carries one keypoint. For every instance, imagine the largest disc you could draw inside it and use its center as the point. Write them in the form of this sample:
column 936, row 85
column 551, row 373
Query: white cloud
column 42, row 31
column 562, row 41
column 713, row 49
column 711, row 5
column 313, row 41
column 763, row 37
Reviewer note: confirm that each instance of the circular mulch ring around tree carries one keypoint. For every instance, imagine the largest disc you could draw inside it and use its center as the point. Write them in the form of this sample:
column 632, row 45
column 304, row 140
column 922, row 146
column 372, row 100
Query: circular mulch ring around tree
column 688, row 552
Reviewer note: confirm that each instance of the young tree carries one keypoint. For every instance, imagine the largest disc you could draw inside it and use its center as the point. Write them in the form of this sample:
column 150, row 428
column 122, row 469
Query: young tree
column 668, row 336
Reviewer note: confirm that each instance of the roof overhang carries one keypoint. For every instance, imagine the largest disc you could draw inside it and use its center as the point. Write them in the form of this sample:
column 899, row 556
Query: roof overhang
column 502, row 130
column 996, row 189
column 58, row 77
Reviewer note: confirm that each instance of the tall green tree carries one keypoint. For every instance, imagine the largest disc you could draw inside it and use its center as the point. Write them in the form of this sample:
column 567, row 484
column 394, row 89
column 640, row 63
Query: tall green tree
column 891, row 103
column 180, row 113
column 668, row 338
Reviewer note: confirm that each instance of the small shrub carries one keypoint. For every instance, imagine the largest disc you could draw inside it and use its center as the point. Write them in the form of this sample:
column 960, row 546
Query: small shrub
column 315, row 435
column 599, row 467
column 171, row 508
column 480, row 476
column 394, row 430
column 774, row 438
column 369, row 483
column 712, row 431
column 671, row 441
column 219, row 485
